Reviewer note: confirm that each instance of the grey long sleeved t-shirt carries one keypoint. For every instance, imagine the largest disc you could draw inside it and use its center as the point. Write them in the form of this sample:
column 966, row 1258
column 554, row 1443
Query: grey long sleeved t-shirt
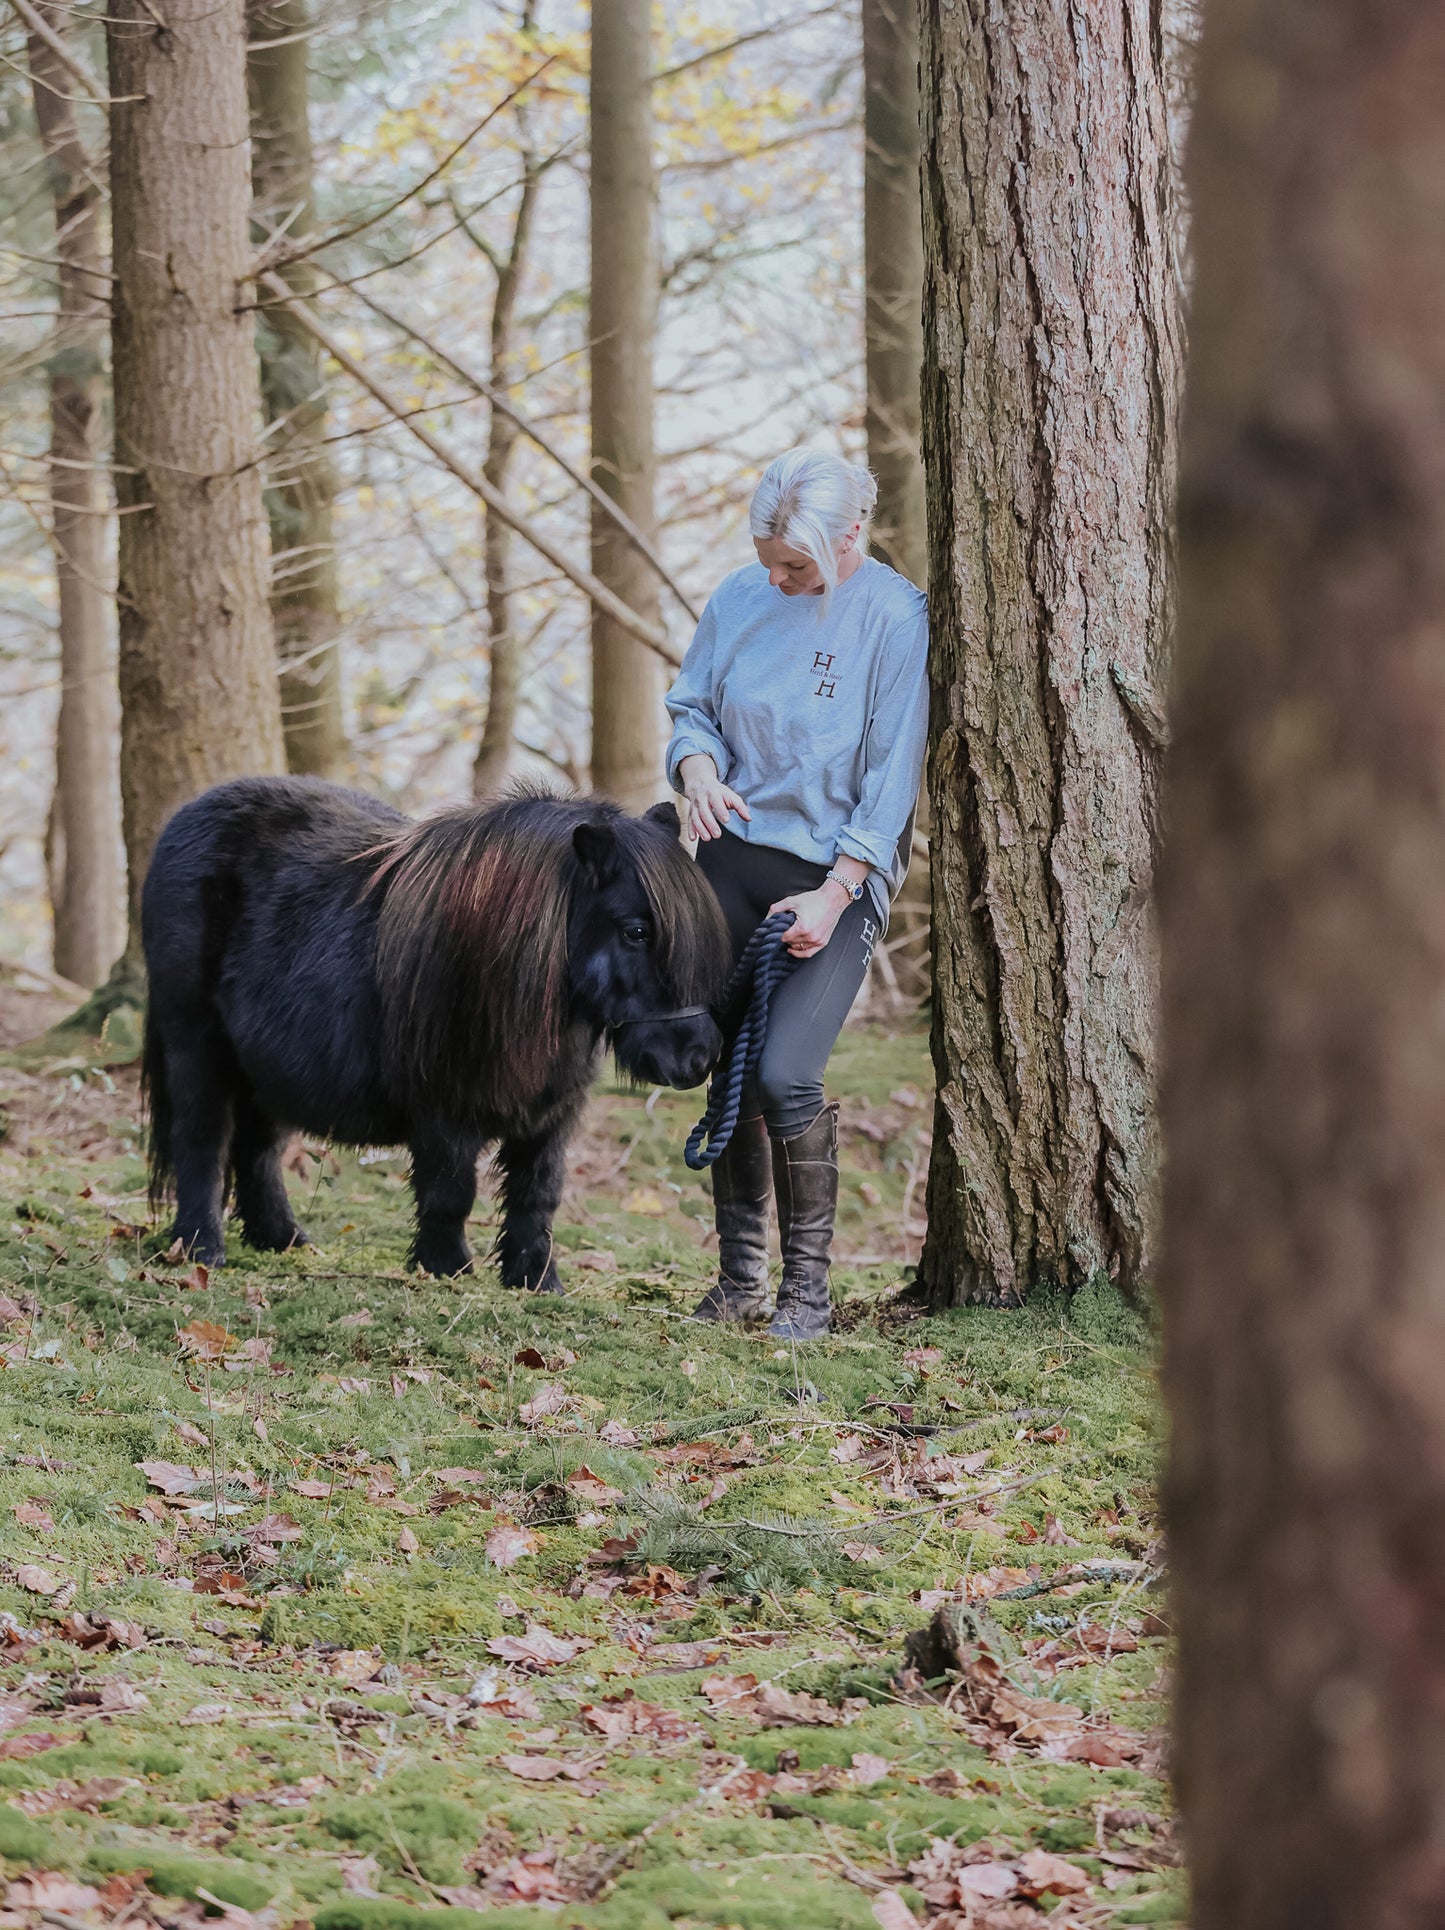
column 817, row 719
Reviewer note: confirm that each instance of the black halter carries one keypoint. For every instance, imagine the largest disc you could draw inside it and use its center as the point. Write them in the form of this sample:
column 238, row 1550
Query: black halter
column 665, row 1018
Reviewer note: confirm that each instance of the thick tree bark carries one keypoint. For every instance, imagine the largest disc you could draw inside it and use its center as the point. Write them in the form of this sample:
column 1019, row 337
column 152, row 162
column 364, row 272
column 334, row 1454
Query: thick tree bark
column 893, row 281
column 626, row 752
column 495, row 752
column 1305, row 958
column 197, row 655
column 1052, row 352
column 302, row 484
column 87, row 891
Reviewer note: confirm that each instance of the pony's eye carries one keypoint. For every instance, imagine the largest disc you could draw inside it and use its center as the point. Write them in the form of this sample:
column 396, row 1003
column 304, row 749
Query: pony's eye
column 634, row 932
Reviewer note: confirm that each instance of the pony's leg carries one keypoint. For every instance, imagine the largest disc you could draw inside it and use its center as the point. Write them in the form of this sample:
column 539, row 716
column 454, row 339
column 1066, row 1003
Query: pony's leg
column 532, row 1174
column 444, row 1180
column 201, row 1080
column 261, row 1203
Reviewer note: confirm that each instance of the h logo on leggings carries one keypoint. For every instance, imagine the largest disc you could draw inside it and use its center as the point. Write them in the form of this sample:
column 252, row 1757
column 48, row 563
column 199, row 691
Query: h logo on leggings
column 822, row 664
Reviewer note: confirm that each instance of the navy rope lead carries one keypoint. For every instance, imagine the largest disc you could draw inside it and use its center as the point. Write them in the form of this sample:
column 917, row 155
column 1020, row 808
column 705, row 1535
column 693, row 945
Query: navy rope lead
column 756, row 976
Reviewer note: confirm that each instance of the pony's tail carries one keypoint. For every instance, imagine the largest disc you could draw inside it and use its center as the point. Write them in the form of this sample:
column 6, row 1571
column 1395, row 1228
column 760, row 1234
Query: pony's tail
column 156, row 1104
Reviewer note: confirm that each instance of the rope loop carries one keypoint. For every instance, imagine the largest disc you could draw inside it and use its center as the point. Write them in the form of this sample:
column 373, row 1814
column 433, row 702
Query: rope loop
column 759, row 972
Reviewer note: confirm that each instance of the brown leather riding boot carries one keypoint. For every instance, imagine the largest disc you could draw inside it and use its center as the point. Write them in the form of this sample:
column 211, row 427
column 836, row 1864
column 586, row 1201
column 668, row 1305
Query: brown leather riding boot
column 805, row 1178
column 741, row 1184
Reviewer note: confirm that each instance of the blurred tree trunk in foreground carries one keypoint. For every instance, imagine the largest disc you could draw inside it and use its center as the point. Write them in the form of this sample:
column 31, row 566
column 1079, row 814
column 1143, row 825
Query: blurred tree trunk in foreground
column 893, row 281
column 84, row 842
column 302, row 484
column 197, row 657
column 1305, row 966
column 1052, row 363
column 626, row 750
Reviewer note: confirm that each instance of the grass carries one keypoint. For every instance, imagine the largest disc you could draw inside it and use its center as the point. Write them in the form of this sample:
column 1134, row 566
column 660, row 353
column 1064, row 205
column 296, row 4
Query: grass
column 268, row 1766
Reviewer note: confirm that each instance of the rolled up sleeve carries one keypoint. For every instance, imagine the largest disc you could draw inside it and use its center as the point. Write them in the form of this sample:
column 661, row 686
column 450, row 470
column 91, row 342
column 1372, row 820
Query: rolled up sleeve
column 893, row 752
column 690, row 705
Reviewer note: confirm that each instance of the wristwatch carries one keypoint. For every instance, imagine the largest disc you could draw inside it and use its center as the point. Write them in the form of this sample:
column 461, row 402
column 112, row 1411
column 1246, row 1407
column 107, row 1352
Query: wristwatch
column 854, row 888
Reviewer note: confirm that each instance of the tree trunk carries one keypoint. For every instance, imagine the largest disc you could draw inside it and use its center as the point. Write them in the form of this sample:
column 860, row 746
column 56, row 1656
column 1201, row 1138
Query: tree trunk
column 1305, row 955
column 893, row 281
column 626, row 750
column 197, row 654
column 494, row 759
column 1052, row 352
column 302, row 484
column 84, row 857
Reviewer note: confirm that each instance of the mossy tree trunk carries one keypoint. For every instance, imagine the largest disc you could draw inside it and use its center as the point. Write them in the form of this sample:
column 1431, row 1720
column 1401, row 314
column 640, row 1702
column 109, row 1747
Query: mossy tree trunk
column 197, row 655
column 893, row 282
column 302, row 484
column 626, row 747
column 87, row 890
column 1304, row 960
column 1051, row 368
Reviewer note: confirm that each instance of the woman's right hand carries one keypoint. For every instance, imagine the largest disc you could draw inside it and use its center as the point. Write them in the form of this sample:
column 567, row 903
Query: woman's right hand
column 709, row 800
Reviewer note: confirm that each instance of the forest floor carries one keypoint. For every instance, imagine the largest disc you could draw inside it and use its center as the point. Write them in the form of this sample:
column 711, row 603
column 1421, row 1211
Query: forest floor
column 334, row 1594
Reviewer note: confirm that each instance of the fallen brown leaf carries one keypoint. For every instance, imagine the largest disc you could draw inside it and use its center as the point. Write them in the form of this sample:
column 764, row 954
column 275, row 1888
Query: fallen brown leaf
column 205, row 1340
column 538, row 1648
column 48, row 1890
column 550, row 1398
column 507, row 1544
column 624, row 1715
column 546, row 1769
column 17, row 1748
column 172, row 1477
column 353, row 1666
column 37, row 1581
column 1040, row 1872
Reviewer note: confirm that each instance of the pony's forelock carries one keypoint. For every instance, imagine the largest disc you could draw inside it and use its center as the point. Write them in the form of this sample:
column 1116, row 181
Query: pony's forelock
column 472, row 936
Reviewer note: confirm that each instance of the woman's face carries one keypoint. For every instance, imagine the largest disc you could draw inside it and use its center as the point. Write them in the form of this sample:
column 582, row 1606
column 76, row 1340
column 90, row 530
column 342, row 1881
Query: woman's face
column 792, row 571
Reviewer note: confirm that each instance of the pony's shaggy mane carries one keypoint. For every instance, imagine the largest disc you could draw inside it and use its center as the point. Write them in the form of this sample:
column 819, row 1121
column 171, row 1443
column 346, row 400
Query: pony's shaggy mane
column 472, row 939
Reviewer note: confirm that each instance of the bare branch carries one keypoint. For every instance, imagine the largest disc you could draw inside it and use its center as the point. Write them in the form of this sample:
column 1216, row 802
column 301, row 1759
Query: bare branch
column 347, row 234
column 499, row 402
column 36, row 22
column 591, row 587
column 727, row 47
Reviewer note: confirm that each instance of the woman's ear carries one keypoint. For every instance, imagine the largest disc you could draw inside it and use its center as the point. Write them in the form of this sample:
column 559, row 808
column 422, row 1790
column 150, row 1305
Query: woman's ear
column 596, row 848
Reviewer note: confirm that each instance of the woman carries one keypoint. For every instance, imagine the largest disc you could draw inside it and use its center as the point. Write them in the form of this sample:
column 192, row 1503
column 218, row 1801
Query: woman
column 799, row 719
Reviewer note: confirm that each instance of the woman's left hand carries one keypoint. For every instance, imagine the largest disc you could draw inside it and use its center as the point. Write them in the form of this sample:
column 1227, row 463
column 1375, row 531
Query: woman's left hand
column 815, row 915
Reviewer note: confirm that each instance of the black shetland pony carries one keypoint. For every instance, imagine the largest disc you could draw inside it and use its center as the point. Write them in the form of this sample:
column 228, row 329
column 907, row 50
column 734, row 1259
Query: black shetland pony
column 319, row 962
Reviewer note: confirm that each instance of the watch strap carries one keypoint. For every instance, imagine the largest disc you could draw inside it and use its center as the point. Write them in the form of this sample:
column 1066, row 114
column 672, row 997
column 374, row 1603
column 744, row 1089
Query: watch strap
column 853, row 887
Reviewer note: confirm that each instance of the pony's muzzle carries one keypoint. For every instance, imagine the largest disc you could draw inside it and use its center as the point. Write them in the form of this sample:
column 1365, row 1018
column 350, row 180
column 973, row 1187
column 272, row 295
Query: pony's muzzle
column 678, row 1051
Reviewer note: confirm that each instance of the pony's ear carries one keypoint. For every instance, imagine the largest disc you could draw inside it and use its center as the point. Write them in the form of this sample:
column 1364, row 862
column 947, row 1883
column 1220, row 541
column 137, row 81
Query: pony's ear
column 665, row 814
column 596, row 848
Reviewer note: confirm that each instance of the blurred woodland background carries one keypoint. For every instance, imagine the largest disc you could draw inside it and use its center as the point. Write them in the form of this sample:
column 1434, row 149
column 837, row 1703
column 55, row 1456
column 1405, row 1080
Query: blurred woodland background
column 424, row 173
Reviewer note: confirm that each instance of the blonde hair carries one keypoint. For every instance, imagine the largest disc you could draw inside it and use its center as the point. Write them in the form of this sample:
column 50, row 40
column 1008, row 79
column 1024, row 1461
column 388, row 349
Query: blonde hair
column 810, row 500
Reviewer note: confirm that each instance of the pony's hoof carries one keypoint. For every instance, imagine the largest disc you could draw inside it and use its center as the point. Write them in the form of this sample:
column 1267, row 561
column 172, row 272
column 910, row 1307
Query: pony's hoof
column 201, row 1249
column 444, row 1263
column 276, row 1239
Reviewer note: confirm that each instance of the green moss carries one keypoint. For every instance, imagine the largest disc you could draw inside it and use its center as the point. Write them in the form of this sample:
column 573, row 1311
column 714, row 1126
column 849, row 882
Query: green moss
column 387, row 1779
column 22, row 1841
column 184, row 1876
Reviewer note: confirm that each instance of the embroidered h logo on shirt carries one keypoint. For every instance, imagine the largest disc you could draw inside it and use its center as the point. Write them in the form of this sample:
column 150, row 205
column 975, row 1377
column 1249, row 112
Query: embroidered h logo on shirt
column 827, row 685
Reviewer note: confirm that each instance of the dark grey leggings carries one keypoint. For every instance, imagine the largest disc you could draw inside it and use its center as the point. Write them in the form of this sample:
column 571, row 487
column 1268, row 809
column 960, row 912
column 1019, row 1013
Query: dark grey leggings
column 809, row 1008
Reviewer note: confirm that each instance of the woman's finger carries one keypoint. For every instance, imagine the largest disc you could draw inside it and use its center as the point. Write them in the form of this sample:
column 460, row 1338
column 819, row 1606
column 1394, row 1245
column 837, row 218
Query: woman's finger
column 737, row 804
